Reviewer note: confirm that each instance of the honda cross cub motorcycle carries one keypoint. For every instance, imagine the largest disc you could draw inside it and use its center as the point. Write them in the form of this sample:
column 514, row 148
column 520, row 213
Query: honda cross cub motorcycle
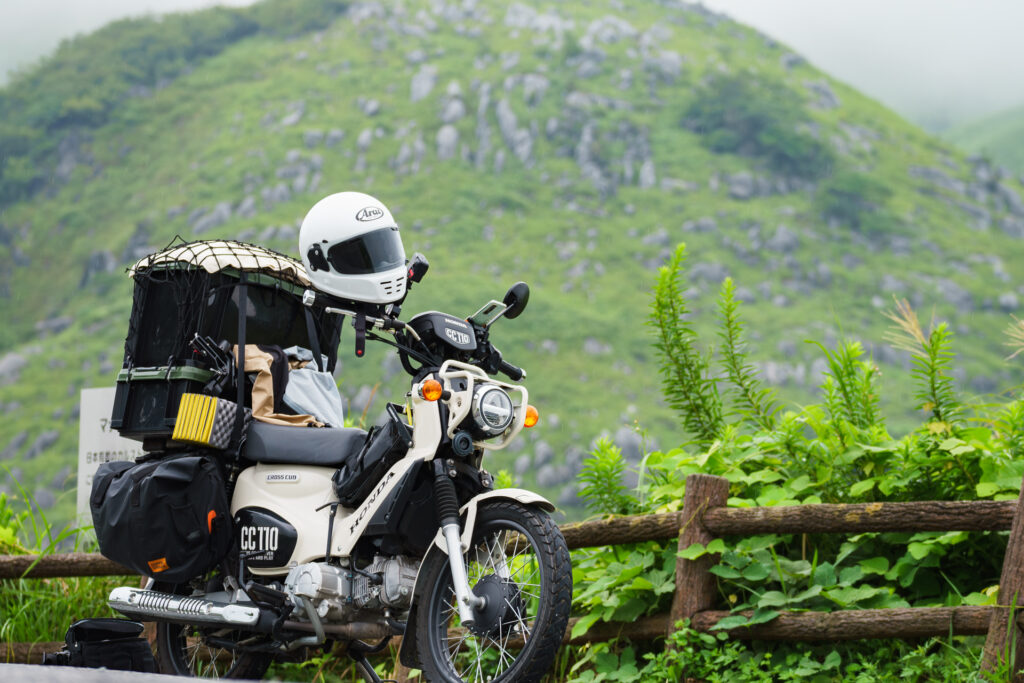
column 407, row 539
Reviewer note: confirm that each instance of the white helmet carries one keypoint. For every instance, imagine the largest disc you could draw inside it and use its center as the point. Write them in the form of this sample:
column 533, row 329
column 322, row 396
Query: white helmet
column 351, row 248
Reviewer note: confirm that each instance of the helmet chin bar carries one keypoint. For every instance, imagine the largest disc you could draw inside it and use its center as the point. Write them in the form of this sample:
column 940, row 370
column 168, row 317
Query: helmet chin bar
column 352, row 250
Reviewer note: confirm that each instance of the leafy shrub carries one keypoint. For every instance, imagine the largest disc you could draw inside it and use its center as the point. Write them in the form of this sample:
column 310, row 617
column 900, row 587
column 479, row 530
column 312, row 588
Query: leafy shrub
column 713, row 657
column 602, row 481
column 741, row 115
column 856, row 200
column 838, row 451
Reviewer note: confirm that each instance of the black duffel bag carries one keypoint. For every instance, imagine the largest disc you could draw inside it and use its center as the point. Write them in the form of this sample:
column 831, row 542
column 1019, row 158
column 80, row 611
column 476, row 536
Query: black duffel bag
column 105, row 643
column 168, row 519
column 386, row 444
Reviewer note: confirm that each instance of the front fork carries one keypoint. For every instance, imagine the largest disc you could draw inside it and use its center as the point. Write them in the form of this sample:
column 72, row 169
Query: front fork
column 448, row 515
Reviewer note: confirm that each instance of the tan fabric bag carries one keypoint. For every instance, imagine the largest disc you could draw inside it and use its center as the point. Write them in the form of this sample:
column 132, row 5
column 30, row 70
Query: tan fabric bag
column 259, row 361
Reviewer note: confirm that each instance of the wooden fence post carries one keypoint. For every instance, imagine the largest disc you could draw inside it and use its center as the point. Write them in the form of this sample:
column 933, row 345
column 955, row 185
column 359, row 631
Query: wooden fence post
column 695, row 585
column 1004, row 646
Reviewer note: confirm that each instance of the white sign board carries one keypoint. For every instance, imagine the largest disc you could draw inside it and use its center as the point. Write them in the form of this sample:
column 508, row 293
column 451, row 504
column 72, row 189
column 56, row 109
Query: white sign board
column 98, row 443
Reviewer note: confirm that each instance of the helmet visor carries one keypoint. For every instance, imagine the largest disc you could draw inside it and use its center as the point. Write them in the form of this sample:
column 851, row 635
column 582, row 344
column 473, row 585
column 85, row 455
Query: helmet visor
column 373, row 252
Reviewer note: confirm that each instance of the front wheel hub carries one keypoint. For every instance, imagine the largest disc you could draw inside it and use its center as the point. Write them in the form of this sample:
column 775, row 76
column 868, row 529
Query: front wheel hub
column 502, row 608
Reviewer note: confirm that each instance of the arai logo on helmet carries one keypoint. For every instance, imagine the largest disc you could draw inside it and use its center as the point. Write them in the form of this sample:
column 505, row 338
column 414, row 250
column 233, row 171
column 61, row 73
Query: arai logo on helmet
column 369, row 213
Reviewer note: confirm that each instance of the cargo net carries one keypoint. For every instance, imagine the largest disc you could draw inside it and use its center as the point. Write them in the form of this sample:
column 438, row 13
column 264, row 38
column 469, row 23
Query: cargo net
column 176, row 284
column 213, row 256
column 180, row 292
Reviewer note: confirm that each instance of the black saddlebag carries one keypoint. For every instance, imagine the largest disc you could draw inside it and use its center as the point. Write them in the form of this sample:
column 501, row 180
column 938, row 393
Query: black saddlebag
column 105, row 643
column 167, row 519
column 386, row 444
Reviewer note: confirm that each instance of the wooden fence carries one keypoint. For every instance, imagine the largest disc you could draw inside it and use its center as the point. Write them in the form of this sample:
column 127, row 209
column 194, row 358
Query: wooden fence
column 705, row 517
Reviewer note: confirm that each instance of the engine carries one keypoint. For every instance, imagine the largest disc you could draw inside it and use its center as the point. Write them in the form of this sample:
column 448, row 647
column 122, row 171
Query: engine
column 338, row 593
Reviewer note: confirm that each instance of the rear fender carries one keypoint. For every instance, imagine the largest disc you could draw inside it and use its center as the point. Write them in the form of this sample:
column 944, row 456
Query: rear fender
column 468, row 514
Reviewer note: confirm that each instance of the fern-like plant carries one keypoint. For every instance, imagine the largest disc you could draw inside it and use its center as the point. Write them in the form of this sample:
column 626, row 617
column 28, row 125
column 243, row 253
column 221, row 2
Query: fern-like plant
column 932, row 356
column 602, row 476
column 849, row 388
column 686, row 380
column 750, row 400
column 1010, row 424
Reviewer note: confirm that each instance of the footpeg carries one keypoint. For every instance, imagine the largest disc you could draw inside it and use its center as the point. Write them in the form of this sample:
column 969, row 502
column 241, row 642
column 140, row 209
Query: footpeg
column 264, row 595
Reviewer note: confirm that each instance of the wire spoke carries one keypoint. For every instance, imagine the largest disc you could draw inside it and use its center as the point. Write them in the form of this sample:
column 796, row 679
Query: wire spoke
column 507, row 557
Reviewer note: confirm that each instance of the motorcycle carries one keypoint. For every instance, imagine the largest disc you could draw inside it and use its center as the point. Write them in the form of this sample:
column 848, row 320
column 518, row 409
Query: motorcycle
column 412, row 541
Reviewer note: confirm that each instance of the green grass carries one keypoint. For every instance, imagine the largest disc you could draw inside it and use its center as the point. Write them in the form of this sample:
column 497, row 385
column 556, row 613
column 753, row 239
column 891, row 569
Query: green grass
column 41, row 610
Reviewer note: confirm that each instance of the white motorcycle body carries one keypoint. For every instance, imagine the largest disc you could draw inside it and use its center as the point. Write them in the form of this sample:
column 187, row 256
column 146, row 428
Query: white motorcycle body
column 299, row 497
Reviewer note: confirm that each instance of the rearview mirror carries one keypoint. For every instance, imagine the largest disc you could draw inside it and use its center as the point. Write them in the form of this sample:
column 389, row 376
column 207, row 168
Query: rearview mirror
column 516, row 299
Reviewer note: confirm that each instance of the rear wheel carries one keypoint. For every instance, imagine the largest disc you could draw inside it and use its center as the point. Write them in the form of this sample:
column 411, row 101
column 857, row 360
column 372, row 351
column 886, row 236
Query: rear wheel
column 519, row 562
column 185, row 650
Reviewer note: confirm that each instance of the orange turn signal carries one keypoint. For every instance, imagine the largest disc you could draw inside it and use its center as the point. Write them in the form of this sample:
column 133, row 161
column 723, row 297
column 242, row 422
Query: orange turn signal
column 431, row 390
column 532, row 416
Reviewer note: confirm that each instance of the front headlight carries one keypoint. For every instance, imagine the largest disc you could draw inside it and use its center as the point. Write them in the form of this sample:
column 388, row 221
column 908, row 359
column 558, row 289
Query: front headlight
column 492, row 410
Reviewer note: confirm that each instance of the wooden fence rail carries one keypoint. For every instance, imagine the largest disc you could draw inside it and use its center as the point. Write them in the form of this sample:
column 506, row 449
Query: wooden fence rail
column 975, row 515
column 704, row 517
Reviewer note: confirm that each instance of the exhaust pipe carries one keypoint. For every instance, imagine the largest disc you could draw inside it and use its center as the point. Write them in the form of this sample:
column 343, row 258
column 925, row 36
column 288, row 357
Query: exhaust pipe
column 147, row 605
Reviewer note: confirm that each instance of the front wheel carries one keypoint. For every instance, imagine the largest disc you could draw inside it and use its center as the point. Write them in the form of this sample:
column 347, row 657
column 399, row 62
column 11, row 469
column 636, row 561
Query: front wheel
column 519, row 562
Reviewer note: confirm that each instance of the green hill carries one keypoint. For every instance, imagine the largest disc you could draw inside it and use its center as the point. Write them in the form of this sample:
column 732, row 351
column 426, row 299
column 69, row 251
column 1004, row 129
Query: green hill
column 568, row 146
column 999, row 137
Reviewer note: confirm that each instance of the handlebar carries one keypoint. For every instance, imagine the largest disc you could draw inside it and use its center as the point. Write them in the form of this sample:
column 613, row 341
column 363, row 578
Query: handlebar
column 492, row 361
column 511, row 371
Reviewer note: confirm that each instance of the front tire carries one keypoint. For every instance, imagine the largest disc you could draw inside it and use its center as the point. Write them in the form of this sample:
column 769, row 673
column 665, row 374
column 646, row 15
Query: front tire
column 519, row 560
column 183, row 650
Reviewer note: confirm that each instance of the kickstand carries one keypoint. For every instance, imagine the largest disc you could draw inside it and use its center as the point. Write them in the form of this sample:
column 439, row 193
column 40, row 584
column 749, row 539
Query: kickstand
column 366, row 668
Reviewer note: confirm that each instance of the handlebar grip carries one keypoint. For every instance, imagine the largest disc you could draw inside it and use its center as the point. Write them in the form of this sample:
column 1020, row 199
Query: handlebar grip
column 515, row 374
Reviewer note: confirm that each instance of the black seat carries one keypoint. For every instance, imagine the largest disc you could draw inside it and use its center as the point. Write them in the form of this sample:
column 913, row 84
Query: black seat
column 324, row 447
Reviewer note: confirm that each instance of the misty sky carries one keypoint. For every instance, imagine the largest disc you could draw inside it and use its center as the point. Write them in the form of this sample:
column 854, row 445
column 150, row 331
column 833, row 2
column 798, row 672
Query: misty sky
column 30, row 29
column 934, row 61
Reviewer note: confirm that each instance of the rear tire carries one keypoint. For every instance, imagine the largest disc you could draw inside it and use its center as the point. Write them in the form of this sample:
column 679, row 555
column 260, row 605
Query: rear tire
column 530, row 590
column 181, row 650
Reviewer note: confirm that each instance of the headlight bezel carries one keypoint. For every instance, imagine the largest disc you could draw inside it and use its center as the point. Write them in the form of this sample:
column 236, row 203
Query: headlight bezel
column 479, row 410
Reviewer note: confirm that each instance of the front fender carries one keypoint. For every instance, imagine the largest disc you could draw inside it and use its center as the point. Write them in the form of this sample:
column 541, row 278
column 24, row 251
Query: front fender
column 468, row 514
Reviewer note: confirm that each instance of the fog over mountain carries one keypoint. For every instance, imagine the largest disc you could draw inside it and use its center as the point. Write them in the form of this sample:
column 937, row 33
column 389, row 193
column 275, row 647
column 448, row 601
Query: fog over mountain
column 30, row 30
column 936, row 63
